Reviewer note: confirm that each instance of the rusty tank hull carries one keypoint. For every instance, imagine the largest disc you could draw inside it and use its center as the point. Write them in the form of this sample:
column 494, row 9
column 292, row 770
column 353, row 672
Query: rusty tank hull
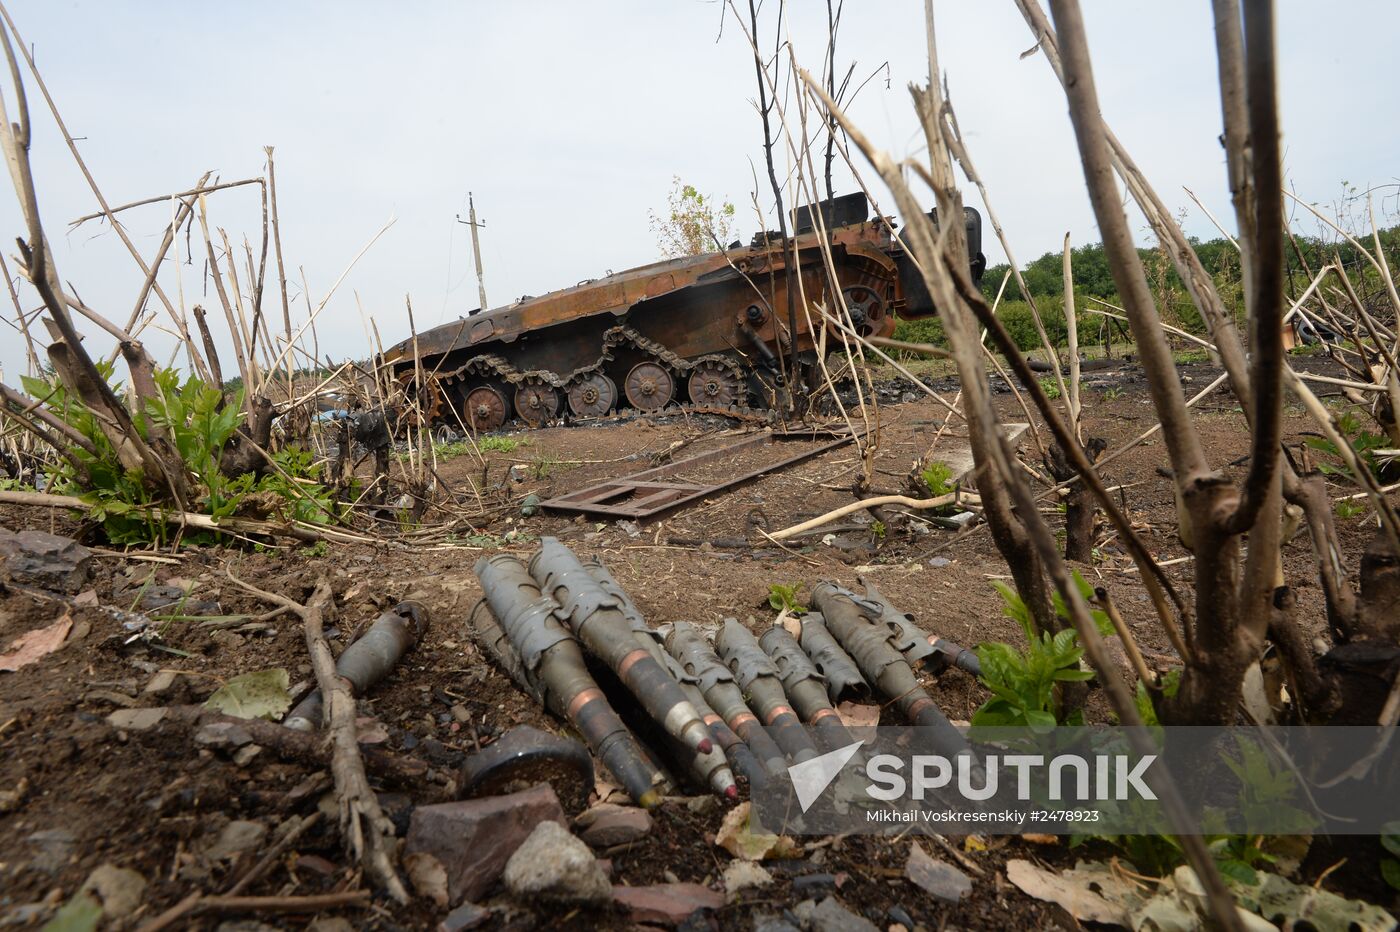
column 710, row 331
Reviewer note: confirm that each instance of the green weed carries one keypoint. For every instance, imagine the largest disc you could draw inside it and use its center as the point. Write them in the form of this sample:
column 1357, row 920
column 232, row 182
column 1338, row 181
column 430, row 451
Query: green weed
column 1364, row 442
column 1023, row 682
column 938, row 476
column 198, row 423
column 500, row 444
column 1348, row 508
column 784, row 599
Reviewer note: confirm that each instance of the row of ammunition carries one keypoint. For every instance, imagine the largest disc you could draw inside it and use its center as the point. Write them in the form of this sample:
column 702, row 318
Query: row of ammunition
column 740, row 704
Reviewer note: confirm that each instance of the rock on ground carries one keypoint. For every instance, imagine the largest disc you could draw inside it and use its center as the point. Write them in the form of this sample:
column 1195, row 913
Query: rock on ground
column 44, row 561
column 831, row 916
column 119, row 888
column 474, row 838
column 554, row 865
column 938, row 877
column 607, row 824
column 744, row 875
column 666, row 903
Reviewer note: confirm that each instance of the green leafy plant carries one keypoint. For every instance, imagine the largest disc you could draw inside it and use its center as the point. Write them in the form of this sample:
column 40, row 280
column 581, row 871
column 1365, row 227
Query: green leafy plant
column 1050, row 387
column 546, row 464
column 1364, row 442
column 1265, row 789
column 198, row 422
column 1111, row 393
column 878, row 530
column 1170, row 683
column 1238, row 856
column 1348, row 508
column 693, row 222
column 1390, row 841
column 498, row 444
column 1023, row 682
column 1187, row 357
column 938, row 476
column 784, row 599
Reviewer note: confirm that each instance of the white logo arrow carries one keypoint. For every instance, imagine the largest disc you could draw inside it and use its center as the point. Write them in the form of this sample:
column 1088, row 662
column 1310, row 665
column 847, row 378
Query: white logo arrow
column 811, row 778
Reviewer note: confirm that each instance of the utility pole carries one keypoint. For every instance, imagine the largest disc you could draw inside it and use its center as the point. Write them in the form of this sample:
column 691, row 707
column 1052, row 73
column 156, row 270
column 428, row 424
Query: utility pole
column 471, row 221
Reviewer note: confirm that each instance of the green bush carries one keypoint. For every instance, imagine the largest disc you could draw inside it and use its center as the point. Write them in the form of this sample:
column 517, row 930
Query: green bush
column 928, row 330
column 1020, row 323
column 198, row 422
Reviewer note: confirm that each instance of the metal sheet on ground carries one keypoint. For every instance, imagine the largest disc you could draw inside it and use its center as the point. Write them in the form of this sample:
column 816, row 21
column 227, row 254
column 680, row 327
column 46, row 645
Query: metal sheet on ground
column 648, row 493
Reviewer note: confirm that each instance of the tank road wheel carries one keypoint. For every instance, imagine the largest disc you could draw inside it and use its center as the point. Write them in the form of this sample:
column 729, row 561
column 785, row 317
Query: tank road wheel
column 485, row 408
column 714, row 384
column 649, row 387
column 536, row 403
column 592, row 395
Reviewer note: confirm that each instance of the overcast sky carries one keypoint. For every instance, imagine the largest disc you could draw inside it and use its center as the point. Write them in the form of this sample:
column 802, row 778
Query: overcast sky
column 568, row 120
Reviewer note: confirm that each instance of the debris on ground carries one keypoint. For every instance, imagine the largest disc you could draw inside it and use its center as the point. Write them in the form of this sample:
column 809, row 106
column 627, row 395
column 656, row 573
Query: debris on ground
column 551, row 864
column 46, row 561
column 473, row 839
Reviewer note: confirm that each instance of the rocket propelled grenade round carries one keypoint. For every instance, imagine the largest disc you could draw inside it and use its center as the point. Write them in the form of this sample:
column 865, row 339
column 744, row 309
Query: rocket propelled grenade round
column 759, row 679
column 368, row 660
column 843, row 678
column 918, row 646
column 805, row 686
column 712, row 767
column 856, row 623
column 692, row 650
column 598, row 620
column 523, row 632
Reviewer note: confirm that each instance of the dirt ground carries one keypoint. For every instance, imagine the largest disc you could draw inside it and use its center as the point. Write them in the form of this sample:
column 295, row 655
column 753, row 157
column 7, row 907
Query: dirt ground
column 90, row 794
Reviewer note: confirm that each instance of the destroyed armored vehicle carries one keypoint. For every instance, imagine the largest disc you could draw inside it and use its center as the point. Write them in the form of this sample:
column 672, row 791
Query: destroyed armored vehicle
column 708, row 332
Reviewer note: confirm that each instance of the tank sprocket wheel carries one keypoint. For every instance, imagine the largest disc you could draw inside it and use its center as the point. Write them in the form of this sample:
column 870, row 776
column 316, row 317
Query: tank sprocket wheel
column 484, row 408
column 712, row 383
column 427, row 402
column 649, row 386
column 592, row 395
column 865, row 307
column 536, row 403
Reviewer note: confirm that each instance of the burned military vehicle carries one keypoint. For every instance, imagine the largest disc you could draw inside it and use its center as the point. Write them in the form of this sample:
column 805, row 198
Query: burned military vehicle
column 708, row 332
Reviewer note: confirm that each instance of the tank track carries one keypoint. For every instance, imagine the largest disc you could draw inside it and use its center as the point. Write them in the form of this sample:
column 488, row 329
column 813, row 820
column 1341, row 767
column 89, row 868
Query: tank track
column 493, row 366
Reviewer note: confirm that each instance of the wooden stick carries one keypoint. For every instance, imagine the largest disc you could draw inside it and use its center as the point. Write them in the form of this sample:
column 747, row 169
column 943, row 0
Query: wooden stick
column 1125, row 634
column 77, row 156
column 369, row 832
column 21, row 319
column 230, row 525
column 197, row 903
column 1072, row 335
column 199, row 188
column 222, row 292
column 273, row 853
column 311, row 319
column 863, row 505
column 923, row 349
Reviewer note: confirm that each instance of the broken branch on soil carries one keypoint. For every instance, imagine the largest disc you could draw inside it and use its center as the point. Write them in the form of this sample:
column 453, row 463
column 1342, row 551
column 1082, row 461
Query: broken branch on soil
column 300, row 746
column 229, row 525
column 363, row 823
column 198, row 903
column 868, row 503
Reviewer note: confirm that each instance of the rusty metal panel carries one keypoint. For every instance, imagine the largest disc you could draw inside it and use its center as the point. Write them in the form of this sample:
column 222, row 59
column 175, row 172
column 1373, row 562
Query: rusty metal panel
column 644, row 494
